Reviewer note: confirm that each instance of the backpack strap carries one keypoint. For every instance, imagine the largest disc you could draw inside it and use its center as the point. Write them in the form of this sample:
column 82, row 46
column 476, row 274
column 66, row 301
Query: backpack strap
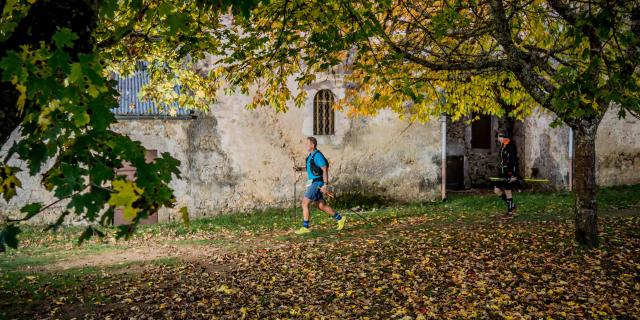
column 312, row 155
column 322, row 154
column 313, row 165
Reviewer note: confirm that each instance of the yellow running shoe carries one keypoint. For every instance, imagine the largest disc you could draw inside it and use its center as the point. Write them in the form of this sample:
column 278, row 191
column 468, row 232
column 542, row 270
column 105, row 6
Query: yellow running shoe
column 341, row 222
column 303, row 230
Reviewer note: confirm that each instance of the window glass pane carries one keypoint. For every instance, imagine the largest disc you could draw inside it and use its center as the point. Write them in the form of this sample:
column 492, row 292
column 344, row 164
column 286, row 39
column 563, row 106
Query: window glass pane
column 323, row 114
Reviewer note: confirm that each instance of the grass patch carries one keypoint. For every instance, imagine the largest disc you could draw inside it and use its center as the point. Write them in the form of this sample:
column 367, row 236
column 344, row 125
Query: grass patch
column 43, row 247
column 366, row 201
column 34, row 257
column 619, row 196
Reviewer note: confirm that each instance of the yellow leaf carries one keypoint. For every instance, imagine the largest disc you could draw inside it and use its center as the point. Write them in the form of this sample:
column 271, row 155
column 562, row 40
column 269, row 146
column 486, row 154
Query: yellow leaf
column 126, row 193
column 224, row 289
column 23, row 96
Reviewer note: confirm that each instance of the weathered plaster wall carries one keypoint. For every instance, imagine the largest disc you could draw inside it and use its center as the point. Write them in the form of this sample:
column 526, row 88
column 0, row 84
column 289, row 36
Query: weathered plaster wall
column 234, row 159
column 31, row 190
column 546, row 152
column 617, row 147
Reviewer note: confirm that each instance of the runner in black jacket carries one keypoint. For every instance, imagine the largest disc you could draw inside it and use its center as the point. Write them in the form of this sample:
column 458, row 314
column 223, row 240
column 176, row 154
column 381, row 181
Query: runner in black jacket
column 508, row 170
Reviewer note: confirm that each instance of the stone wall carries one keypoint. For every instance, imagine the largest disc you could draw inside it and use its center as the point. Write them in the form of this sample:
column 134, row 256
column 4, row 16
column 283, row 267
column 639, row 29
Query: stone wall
column 546, row 152
column 233, row 159
column 31, row 190
column 457, row 145
column 482, row 162
column 479, row 164
column 617, row 146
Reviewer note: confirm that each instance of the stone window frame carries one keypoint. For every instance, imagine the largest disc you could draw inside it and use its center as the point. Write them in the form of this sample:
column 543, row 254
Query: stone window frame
column 494, row 146
column 486, row 139
column 323, row 113
column 342, row 123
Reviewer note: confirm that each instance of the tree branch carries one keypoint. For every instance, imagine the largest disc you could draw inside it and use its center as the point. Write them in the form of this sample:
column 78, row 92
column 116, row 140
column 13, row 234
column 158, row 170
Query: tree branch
column 519, row 61
column 129, row 30
column 451, row 65
column 564, row 11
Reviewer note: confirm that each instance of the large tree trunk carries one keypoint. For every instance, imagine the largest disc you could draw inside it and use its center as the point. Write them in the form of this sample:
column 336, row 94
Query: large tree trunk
column 585, row 182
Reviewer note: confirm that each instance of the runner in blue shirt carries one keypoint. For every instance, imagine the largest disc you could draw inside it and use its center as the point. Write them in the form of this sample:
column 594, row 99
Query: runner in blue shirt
column 317, row 168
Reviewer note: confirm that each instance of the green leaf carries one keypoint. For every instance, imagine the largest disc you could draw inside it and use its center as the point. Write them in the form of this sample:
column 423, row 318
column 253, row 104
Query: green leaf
column 54, row 226
column 89, row 232
column 59, row 61
column 90, row 203
column 101, row 116
column 125, row 231
column 37, row 156
column 13, row 68
column 76, row 74
column 100, row 172
column 81, row 118
column 31, row 209
column 176, row 22
column 9, row 237
column 108, row 8
column 64, row 38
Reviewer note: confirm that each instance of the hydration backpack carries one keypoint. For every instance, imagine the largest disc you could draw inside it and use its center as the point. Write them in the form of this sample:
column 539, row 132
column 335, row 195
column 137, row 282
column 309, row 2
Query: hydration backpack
column 315, row 170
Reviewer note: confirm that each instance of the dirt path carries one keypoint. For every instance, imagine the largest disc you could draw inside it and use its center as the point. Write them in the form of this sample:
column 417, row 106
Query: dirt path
column 208, row 254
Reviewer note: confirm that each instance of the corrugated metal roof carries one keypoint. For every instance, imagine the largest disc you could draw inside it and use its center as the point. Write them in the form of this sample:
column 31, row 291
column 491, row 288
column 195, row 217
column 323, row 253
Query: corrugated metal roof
column 130, row 106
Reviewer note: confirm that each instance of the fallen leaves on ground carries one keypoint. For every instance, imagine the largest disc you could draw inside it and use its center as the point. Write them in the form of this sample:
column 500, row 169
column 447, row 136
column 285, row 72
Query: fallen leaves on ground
column 412, row 270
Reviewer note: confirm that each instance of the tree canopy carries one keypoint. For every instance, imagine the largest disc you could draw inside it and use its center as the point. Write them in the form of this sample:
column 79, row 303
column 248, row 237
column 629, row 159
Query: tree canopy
column 574, row 58
column 56, row 63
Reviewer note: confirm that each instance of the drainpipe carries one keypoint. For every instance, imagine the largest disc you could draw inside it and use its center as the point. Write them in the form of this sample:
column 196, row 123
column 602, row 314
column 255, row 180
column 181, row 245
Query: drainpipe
column 570, row 159
column 443, row 156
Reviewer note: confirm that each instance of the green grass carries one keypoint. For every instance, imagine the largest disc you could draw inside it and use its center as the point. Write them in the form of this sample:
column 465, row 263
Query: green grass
column 619, row 196
column 34, row 257
column 40, row 248
column 459, row 207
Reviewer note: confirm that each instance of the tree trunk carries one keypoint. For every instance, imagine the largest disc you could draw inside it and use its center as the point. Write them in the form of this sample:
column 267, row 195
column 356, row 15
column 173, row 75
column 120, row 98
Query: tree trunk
column 585, row 182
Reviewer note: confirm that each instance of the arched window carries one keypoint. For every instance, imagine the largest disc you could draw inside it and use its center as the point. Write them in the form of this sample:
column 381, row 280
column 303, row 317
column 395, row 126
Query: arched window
column 323, row 117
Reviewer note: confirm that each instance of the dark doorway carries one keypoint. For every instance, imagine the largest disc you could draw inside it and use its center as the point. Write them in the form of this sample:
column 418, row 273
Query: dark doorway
column 481, row 132
column 455, row 172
